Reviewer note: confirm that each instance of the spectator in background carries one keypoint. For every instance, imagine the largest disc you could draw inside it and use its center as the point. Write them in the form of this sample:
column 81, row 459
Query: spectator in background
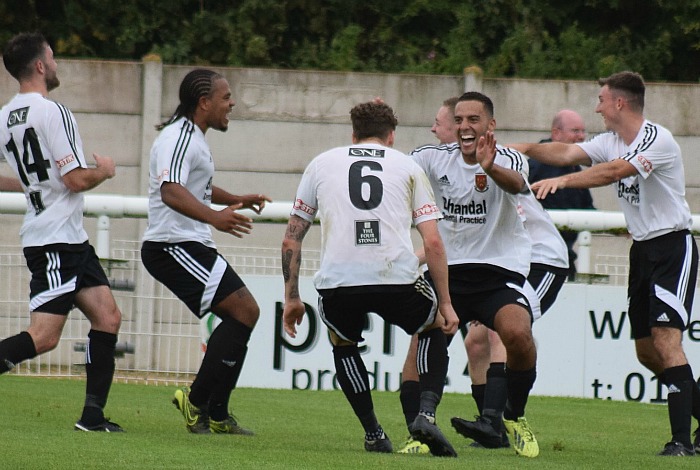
column 567, row 127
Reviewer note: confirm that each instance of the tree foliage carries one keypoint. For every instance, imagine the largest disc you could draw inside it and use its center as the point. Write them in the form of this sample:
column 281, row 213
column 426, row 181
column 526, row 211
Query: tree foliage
column 535, row 38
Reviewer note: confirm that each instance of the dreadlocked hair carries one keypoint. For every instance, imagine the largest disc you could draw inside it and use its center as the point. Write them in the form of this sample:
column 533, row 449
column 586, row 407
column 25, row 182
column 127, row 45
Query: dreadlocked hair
column 196, row 84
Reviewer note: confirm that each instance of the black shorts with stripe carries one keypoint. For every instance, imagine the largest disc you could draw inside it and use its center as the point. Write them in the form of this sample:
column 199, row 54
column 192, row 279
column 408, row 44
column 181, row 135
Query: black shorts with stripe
column 479, row 291
column 345, row 310
column 661, row 287
column 59, row 271
column 197, row 274
column 542, row 287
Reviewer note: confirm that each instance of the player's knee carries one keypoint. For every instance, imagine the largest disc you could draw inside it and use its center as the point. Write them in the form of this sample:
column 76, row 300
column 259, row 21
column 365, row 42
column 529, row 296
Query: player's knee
column 45, row 343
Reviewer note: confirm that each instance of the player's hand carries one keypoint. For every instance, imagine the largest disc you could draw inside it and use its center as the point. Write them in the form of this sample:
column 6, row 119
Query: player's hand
column 543, row 188
column 486, row 150
column 450, row 319
column 105, row 164
column 229, row 221
column 255, row 202
column 292, row 315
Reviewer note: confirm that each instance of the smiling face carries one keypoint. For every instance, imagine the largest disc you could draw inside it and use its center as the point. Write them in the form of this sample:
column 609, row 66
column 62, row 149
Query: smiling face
column 472, row 121
column 218, row 105
column 608, row 107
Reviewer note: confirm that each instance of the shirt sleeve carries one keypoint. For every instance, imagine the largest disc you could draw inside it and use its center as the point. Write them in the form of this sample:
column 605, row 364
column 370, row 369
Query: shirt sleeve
column 596, row 148
column 647, row 158
column 306, row 201
column 424, row 206
column 63, row 139
column 174, row 157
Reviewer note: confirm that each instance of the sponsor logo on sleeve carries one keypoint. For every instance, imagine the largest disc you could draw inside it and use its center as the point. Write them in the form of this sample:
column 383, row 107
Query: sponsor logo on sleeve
column 646, row 164
column 300, row 205
column 426, row 209
column 163, row 174
column 65, row 160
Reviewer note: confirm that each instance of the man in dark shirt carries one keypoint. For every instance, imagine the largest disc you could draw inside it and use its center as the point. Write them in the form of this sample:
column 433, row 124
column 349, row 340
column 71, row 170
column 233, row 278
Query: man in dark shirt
column 567, row 127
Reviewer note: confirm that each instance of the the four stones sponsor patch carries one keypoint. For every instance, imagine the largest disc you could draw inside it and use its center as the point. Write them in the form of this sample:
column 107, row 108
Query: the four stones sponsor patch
column 367, row 232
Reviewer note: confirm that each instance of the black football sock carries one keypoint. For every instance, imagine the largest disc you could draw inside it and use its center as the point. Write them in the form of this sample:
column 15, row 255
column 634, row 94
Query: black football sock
column 410, row 400
column 222, row 363
column 478, row 392
column 99, row 369
column 496, row 394
column 680, row 401
column 16, row 349
column 520, row 383
column 234, row 357
column 432, row 363
column 353, row 379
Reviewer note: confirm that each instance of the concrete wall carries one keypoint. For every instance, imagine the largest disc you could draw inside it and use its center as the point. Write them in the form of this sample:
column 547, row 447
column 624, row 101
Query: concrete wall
column 283, row 118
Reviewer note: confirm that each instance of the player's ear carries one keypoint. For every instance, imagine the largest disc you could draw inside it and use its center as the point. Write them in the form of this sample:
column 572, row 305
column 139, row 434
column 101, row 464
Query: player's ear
column 492, row 125
column 390, row 139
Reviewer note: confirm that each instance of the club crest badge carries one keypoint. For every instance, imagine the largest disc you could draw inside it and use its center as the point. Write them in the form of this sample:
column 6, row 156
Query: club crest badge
column 481, row 182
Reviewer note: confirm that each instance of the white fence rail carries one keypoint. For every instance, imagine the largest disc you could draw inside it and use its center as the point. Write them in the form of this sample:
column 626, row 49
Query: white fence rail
column 159, row 336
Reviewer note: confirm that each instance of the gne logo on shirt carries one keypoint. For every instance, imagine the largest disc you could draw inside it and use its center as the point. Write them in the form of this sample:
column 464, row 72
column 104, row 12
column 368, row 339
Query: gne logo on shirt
column 65, row 160
column 300, row 205
column 360, row 152
column 645, row 163
column 17, row 116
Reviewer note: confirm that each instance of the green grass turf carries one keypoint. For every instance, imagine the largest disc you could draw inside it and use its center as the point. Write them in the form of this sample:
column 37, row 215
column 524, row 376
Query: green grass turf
column 306, row 430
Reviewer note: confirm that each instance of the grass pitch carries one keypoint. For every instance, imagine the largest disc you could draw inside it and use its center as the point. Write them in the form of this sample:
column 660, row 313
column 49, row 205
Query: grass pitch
column 307, row 430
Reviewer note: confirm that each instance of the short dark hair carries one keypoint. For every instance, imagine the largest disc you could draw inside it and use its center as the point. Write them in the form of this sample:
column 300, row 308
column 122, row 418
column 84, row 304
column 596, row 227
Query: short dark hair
column 630, row 85
column 480, row 97
column 372, row 119
column 21, row 52
column 450, row 103
column 196, row 84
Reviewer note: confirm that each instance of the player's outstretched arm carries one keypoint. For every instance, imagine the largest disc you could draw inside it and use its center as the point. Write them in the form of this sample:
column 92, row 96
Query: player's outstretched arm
column 255, row 202
column 294, row 309
column 594, row 177
column 554, row 153
column 84, row 179
column 227, row 220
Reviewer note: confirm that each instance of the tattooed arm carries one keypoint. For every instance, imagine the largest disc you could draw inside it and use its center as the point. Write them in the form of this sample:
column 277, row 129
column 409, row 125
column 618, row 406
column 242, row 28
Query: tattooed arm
column 291, row 262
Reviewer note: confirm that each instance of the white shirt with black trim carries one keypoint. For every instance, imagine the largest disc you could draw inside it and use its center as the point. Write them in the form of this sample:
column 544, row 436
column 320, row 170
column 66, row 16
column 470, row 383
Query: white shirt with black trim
column 40, row 141
column 653, row 201
column 481, row 223
column 548, row 247
column 366, row 197
column 180, row 155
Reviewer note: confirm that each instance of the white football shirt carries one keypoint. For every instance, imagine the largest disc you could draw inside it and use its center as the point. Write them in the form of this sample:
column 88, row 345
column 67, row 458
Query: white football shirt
column 40, row 141
column 181, row 155
column 653, row 201
column 481, row 223
column 548, row 247
column 366, row 196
